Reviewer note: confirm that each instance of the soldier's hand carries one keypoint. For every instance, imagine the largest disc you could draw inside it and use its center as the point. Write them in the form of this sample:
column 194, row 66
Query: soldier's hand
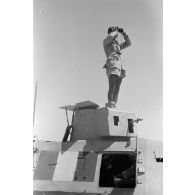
column 123, row 74
column 120, row 30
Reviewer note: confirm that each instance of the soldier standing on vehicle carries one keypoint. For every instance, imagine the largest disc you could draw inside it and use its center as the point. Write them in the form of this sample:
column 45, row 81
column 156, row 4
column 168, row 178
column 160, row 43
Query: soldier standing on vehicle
column 115, row 68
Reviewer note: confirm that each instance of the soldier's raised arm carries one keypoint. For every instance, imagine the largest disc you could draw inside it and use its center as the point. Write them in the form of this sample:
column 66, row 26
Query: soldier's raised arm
column 110, row 38
column 127, row 42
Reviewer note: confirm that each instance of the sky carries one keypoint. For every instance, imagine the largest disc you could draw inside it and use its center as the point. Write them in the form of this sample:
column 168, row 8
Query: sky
column 69, row 55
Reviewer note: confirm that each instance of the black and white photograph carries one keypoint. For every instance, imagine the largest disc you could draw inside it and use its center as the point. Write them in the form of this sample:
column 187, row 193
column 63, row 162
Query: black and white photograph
column 97, row 117
column 97, row 97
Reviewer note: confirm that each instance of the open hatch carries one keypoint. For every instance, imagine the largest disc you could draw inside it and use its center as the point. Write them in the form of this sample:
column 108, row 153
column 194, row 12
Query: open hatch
column 118, row 170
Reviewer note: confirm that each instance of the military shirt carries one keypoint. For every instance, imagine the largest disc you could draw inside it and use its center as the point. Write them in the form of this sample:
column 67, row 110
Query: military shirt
column 112, row 48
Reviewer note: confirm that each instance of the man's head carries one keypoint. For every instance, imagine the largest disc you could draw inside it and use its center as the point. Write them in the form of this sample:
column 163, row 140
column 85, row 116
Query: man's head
column 112, row 29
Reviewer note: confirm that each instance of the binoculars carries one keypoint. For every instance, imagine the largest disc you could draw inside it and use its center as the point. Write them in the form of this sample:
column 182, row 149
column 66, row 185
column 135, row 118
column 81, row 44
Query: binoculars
column 115, row 28
column 119, row 29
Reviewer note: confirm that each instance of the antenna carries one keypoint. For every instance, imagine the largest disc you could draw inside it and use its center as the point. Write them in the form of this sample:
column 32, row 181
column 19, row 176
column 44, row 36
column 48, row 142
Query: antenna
column 35, row 98
column 36, row 150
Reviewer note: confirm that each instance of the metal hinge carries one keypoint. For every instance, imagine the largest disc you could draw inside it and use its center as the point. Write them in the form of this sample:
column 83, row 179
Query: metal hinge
column 141, row 169
column 140, row 160
column 139, row 181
